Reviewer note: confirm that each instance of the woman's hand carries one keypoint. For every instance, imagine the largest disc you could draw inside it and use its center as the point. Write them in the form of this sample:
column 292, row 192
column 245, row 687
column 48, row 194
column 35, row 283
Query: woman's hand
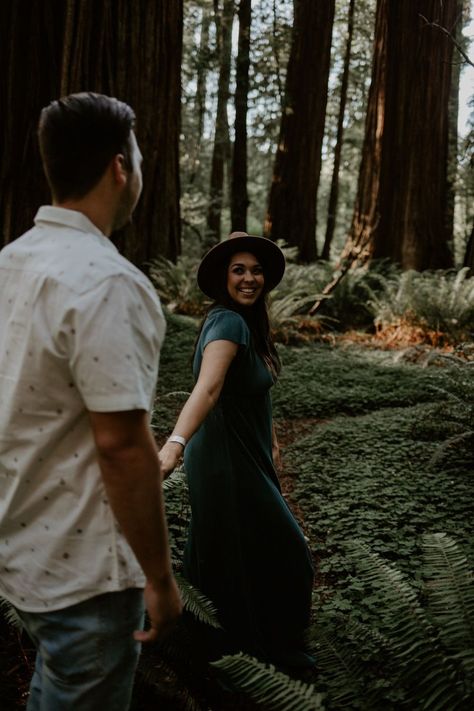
column 169, row 456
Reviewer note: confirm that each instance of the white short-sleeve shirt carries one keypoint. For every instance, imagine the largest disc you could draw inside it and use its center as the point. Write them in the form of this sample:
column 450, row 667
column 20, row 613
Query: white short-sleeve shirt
column 80, row 329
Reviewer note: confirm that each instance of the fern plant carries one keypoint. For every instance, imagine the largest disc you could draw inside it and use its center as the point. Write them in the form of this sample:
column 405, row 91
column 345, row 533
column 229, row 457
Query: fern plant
column 10, row 614
column 428, row 650
column 196, row 603
column 450, row 590
column 440, row 301
column 267, row 686
column 452, row 420
column 176, row 284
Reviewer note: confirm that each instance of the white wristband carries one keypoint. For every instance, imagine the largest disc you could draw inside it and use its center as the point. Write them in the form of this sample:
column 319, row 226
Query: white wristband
column 178, row 439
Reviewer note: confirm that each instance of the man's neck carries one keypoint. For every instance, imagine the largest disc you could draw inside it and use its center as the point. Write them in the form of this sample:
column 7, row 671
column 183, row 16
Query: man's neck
column 95, row 215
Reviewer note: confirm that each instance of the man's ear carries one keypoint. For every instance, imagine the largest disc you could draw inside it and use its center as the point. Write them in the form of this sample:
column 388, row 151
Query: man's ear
column 118, row 169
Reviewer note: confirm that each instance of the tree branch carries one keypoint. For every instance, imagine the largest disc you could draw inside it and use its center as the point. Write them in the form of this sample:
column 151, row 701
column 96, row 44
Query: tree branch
column 449, row 34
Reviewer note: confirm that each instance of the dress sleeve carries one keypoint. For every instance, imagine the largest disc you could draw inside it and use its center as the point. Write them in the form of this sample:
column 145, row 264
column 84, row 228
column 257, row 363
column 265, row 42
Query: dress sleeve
column 225, row 325
column 114, row 334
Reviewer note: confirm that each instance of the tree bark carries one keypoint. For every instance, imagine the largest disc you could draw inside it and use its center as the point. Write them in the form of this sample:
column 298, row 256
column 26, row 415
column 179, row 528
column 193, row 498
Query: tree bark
column 402, row 201
column 31, row 36
column 469, row 254
column 334, row 193
column 132, row 49
column 239, row 196
column 291, row 214
column 200, row 99
column 128, row 48
column 221, row 136
column 453, row 115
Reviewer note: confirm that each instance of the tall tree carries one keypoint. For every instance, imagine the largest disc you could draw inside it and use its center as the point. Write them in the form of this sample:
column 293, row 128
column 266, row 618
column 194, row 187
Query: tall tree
column 200, row 98
column 334, row 193
column 31, row 37
column 239, row 195
column 224, row 22
column 401, row 211
column 130, row 49
column 469, row 253
column 291, row 214
column 453, row 115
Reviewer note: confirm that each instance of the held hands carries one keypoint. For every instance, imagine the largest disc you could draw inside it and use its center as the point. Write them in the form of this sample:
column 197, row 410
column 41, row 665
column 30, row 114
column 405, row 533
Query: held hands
column 169, row 456
column 164, row 606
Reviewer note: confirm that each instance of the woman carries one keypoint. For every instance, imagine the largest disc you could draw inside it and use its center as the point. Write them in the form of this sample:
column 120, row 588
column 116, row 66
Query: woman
column 245, row 550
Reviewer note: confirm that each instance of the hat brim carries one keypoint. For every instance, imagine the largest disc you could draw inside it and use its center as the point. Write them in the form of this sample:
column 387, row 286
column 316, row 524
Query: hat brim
column 267, row 252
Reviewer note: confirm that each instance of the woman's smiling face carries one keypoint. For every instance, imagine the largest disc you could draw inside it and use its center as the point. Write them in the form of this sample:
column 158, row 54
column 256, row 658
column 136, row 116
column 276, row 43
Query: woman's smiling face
column 245, row 280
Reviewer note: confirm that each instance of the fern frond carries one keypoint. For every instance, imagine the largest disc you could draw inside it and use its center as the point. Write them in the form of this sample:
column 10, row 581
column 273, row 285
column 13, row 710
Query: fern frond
column 10, row 614
column 371, row 636
column 283, row 309
column 450, row 585
column 161, row 676
column 175, row 481
column 463, row 439
column 342, row 669
column 425, row 669
column 197, row 603
column 267, row 686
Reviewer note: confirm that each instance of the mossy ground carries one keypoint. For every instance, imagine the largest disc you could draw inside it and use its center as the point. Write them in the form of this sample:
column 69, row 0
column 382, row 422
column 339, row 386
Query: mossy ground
column 361, row 432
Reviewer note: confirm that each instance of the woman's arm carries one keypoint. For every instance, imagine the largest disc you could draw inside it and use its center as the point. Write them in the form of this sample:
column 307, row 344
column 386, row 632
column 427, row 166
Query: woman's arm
column 217, row 357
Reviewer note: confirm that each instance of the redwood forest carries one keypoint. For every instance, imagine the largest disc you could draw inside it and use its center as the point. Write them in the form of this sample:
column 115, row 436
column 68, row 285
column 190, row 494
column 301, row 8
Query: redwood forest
column 343, row 131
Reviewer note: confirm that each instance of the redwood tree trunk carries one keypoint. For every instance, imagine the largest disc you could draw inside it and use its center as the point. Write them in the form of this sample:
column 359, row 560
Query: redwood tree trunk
column 130, row 49
column 221, row 136
column 291, row 212
column 469, row 254
column 334, row 194
column 200, row 99
column 402, row 205
column 453, row 115
column 31, row 37
column 239, row 196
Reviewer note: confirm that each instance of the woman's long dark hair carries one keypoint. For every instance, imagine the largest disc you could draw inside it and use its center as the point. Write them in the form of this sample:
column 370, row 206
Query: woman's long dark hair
column 255, row 316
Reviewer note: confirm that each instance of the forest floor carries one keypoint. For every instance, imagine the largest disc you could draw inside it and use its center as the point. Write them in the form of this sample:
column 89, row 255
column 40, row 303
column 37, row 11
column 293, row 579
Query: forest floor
column 359, row 429
column 170, row 691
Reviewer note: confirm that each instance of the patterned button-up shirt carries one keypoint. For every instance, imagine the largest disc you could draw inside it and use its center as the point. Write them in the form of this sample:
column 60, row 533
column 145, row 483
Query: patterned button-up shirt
column 80, row 330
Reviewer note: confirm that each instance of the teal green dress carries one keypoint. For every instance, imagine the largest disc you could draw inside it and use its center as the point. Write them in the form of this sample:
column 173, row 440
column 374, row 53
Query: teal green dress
column 245, row 550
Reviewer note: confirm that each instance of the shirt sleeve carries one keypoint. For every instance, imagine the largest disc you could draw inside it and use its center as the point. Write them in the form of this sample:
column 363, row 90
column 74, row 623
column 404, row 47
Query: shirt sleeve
column 225, row 326
column 114, row 334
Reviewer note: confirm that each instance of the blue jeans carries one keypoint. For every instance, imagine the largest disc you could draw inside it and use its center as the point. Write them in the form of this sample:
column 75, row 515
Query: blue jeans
column 86, row 655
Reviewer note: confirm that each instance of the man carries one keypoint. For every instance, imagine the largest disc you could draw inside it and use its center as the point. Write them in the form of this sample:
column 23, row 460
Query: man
column 82, row 527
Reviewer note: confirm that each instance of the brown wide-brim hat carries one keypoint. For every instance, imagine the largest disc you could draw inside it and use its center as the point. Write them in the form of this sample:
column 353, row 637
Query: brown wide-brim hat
column 267, row 252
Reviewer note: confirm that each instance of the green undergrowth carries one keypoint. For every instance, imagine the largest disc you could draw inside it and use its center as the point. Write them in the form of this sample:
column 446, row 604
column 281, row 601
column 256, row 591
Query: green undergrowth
column 380, row 466
column 321, row 381
column 175, row 380
column 370, row 479
column 390, row 462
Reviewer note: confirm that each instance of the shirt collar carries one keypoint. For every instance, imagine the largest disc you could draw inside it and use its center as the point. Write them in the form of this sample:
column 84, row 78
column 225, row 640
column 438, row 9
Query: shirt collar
column 69, row 218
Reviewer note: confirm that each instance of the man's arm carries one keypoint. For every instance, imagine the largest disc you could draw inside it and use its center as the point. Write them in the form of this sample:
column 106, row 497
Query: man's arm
column 131, row 474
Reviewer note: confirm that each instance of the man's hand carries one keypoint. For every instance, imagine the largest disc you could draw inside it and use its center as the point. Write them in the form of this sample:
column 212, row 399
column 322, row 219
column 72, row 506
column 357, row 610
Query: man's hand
column 163, row 604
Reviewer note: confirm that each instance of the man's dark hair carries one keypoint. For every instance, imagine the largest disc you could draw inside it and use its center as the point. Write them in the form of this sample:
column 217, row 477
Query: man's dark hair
column 78, row 137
